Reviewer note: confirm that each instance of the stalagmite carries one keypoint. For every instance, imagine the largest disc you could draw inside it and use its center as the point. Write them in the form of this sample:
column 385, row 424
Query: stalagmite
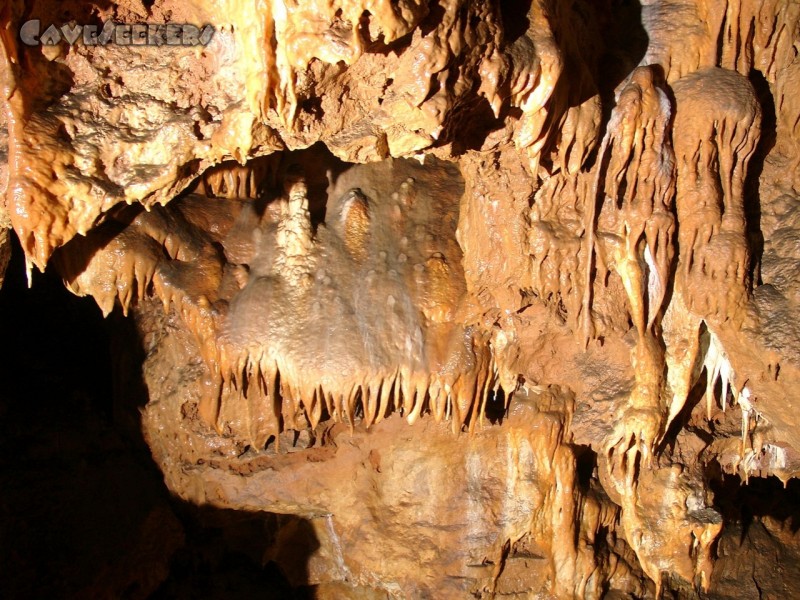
column 355, row 218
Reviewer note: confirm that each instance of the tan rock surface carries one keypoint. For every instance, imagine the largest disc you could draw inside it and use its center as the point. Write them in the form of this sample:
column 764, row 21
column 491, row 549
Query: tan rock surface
column 491, row 293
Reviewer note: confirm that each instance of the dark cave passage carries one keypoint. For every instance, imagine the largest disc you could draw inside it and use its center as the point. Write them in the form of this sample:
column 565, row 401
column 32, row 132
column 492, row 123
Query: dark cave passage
column 84, row 512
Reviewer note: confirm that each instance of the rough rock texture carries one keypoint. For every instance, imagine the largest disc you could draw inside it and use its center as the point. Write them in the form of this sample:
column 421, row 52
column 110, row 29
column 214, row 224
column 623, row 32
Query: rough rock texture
column 498, row 296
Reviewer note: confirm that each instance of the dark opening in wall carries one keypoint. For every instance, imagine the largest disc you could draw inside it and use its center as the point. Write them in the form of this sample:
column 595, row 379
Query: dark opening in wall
column 84, row 512
column 57, row 354
column 759, row 550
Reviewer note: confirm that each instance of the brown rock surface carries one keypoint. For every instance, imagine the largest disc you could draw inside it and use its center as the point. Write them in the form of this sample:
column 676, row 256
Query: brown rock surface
column 494, row 299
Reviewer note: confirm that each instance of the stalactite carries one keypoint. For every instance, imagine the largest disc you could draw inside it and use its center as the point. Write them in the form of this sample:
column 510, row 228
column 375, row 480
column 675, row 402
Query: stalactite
column 555, row 243
column 232, row 180
column 717, row 127
column 639, row 180
column 244, row 316
column 637, row 164
column 558, row 195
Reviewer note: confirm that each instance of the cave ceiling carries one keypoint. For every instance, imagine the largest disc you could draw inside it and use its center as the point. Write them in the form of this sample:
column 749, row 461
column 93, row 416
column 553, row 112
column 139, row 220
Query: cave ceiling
column 403, row 267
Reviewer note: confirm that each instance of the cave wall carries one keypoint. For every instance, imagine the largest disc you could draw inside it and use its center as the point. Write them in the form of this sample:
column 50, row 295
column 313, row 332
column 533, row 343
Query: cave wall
column 506, row 289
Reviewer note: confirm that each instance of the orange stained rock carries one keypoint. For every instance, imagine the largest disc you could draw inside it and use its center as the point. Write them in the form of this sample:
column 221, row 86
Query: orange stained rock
column 717, row 128
column 568, row 183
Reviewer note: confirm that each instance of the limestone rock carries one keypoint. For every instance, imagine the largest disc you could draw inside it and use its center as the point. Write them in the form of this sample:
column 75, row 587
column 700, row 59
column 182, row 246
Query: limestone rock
column 491, row 297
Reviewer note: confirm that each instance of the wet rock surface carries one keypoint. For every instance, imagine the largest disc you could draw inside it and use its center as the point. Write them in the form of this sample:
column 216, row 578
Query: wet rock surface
column 410, row 299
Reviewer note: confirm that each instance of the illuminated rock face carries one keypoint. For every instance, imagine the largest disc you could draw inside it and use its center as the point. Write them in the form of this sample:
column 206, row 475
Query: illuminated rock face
column 483, row 291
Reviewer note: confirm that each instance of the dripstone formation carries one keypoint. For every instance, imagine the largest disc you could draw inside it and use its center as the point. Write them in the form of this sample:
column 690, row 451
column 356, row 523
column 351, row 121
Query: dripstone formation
column 499, row 296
